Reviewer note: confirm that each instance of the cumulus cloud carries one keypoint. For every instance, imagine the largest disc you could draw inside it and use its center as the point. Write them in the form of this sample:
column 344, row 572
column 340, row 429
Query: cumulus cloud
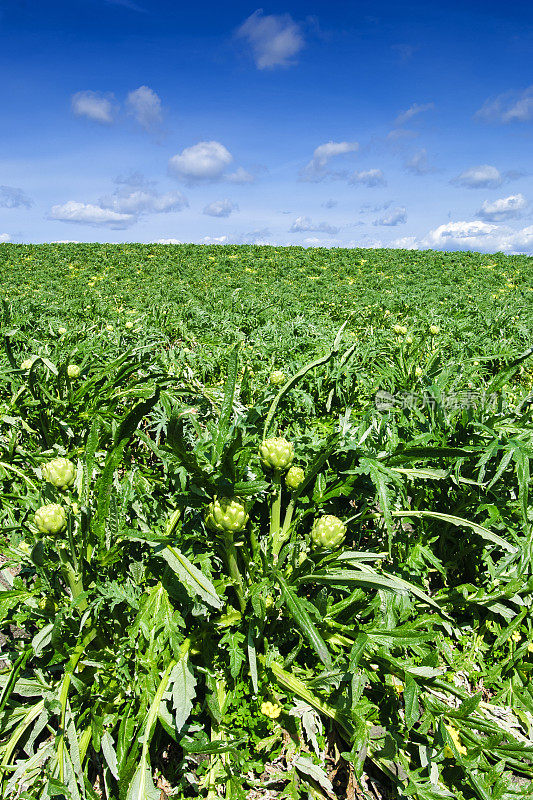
column 239, row 176
column 413, row 111
column 473, row 235
column 221, row 208
column 216, row 240
column 4, row 237
column 144, row 202
column 330, row 204
column 369, row 177
column 93, row 105
column 418, row 164
column 273, row 39
column 205, row 161
column 145, row 106
column 134, row 197
column 302, row 224
column 479, row 235
column 318, row 168
column 89, row 214
column 10, row 197
column 397, row 216
column 504, row 208
column 483, row 177
column 508, row 107
column 260, row 236
column 168, row 241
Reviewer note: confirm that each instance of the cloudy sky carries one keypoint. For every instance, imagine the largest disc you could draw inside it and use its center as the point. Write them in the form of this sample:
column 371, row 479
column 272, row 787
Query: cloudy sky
column 371, row 123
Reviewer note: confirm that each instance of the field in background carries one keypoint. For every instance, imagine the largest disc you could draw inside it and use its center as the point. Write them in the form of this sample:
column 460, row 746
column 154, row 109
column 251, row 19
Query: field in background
column 255, row 662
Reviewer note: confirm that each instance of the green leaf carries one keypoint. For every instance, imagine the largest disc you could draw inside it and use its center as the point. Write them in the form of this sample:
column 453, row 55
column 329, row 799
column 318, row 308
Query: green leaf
column 183, row 683
column 304, row 621
column 234, row 641
column 142, row 786
column 411, row 694
column 461, row 523
column 190, row 575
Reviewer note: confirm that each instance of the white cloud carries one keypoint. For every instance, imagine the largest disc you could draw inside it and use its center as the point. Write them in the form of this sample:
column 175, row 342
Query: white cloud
column 239, row 176
column 316, row 169
column 221, row 208
column 474, row 235
column 400, row 133
column 205, row 161
column 397, row 216
column 93, row 105
column 412, row 111
column 65, row 241
column 418, row 164
column 369, row 177
column 143, row 201
column 89, row 214
column 10, row 197
column 504, row 208
column 483, row 177
column 508, row 107
column 405, row 243
column 302, row 224
column 168, row 241
column 216, row 240
column 4, row 237
column 274, row 39
column 145, row 105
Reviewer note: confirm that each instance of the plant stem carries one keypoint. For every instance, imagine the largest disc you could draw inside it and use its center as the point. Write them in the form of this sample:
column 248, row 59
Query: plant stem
column 233, row 568
column 275, row 514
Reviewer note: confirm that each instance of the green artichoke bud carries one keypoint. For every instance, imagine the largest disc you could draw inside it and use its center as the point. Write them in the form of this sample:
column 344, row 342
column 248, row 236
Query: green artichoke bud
column 277, row 377
column 434, row 330
column 328, row 531
column 61, row 331
column 60, row 472
column 73, row 371
column 276, row 453
column 226, row 515
column 51, row 519
column 48, row 605
column 294, row 478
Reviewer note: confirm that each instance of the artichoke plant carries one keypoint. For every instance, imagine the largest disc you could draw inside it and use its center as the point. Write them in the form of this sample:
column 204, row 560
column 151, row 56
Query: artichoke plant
column 60, row 472
column 328, row 531
column 276, row 453
column 51, row 518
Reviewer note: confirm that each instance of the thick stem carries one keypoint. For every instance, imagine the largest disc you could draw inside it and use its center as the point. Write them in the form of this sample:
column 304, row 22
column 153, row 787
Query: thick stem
column 73, row 578
column 233, row 568
column 275, row 513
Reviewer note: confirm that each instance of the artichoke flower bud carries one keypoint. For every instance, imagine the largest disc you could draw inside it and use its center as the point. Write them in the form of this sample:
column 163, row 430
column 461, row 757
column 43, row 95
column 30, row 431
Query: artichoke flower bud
column 226, row 515
column 294, row 478
column 328, row 531
column 60, row 472
column 51, row 519
column 434, row 330
column 276, row 453
column 73, row 371
column 277, row 377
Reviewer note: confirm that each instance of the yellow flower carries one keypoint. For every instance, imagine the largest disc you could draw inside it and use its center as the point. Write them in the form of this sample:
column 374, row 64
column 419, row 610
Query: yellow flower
column 109, row 328
column 271, row 710
column 516, row 636
column 530, row 647
column 61, row 331
column 461, row 749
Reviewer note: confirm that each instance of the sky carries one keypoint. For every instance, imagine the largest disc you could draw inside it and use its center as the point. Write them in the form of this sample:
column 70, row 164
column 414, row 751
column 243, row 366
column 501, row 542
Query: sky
column 322, row 124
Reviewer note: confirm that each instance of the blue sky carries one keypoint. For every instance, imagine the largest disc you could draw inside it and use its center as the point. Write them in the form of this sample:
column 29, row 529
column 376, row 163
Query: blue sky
column 317, row 124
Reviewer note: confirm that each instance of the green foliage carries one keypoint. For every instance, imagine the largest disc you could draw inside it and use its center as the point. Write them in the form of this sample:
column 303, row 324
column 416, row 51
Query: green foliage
column 193, row 622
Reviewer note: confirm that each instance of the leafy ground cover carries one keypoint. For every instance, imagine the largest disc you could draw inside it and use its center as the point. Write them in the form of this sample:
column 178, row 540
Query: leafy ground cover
column 266, row 523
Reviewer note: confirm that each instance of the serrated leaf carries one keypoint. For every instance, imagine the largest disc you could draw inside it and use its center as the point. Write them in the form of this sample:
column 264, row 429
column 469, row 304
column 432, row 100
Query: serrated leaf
column 142, row 786
column 190, row 575
column 108, row 749
column 183, row 682
column 234, row 641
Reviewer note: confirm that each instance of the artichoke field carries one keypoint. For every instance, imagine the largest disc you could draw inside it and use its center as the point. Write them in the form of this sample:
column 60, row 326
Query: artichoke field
column 292, row 561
